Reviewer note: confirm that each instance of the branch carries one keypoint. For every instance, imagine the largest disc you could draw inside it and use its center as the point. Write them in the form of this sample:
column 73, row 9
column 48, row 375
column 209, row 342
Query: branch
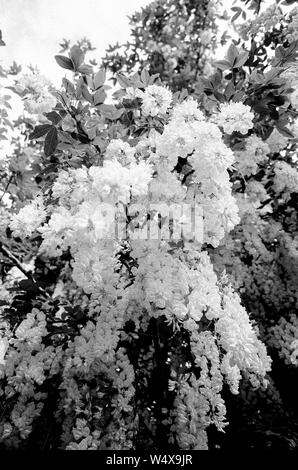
column 19, row 265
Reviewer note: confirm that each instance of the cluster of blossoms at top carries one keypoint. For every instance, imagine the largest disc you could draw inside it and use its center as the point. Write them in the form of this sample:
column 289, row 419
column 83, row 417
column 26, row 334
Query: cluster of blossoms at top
column 37, row 93
column 234, row 117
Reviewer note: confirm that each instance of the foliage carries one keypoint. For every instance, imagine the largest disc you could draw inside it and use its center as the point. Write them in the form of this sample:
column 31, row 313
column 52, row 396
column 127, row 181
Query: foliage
column 113, row 339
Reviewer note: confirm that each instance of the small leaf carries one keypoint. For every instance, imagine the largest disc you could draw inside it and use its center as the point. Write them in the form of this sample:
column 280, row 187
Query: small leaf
column 99, row 78
column 77, row 56
column 111, row 112
column 232, row 54
column 222, row 64
column 53, row 117
column 99, row 96
column 64, row 62
column 51, row 142
column 69, row 87
column 229, row 91
column 123, row 81
column 285, row 131
column 40, row 131
column 86, row 94
column 241, row 59
column 145, row 77
column 85, row 69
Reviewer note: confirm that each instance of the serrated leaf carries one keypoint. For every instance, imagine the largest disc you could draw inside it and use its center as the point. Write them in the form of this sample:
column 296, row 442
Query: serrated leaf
column 40, row 131
column 99, row 78
column 64, row 62
column 51, row 142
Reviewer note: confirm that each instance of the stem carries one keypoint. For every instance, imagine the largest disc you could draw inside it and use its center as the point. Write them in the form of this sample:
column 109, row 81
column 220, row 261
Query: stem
column 19, row 265
column 6, row 187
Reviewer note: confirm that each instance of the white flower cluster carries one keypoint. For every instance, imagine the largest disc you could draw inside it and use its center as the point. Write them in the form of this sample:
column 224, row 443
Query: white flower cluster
column 155, row 100
column 29, row 218
column 290, row 74
column 234, row 117
column 292, row 27
column 284, row 337
column 285, row 179
column 84, row 220
column 248, row 160
column 190, row 292
column 37, row 93
column 121, row 151
column 276, row 141
column 185, row 289
column 189, row 136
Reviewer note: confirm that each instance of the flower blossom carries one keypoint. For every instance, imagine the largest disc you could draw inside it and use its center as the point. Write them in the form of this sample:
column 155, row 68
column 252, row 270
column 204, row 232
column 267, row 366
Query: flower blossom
column 156, row 100
column 36, row 91
column 235, row 117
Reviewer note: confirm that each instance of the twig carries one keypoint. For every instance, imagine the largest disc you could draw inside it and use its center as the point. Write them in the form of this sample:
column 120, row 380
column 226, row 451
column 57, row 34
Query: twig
column 19, row 265
column 6, row 187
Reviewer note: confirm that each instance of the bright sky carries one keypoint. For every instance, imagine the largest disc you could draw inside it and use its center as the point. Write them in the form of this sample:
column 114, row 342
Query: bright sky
column 32, row 29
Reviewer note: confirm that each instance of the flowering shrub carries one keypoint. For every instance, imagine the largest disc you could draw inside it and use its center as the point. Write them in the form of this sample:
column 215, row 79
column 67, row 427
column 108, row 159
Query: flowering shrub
column 153, row 243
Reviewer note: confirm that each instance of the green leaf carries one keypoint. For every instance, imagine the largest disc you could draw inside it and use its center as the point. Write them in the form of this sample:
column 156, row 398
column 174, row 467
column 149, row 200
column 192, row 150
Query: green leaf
column 99, row 96
column 109, row 111
column 229, row 91
column 51, row 142
column 40, row 131
column 64, row 62
column 285, row 131
column 69, row 87
column 86, row 94
column 123, row 81
column 145, row 77
column 99, row 78
column 77, row 56
column 53, row 117
column 241, row 59
column 232, row 54
column 222, row 64
column 85, row 69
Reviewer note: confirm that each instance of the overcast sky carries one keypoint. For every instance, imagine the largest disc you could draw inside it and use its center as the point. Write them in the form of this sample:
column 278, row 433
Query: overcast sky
column 32, row 29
